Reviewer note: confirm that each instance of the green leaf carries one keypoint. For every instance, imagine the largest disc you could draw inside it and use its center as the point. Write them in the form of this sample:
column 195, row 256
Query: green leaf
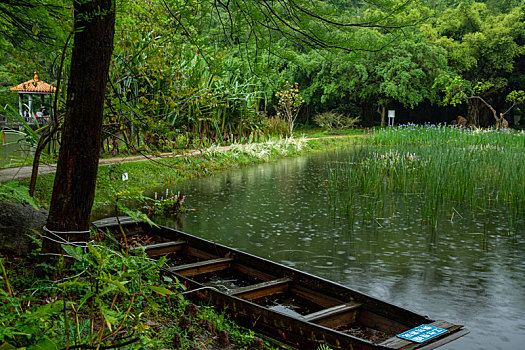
column 110, row 316
column 161, row 290
column 161, row 261
column 35, row 29
column 75, row 252
column 135, row 214
column 45, row 311
column 12, row 191
column 44, row 344
column 116, row 283
column 86, row 297
column 152, row 303
column 75, row 283
column 110, row 288
column 96, row 253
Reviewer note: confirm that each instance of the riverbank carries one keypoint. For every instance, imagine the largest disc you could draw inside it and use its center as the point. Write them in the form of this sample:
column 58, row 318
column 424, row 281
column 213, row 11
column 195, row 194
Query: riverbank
column 121, row 177
column 23, row 171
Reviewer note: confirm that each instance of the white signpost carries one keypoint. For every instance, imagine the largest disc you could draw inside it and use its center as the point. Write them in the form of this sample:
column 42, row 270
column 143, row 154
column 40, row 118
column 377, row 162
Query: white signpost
column 391, row 116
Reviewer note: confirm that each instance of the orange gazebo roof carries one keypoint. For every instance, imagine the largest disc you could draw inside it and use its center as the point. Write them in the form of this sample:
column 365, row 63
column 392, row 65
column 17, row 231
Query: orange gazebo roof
column 34, row 85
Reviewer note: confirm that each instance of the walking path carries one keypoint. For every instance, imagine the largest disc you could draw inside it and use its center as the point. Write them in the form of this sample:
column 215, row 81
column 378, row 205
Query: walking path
column 24, row 172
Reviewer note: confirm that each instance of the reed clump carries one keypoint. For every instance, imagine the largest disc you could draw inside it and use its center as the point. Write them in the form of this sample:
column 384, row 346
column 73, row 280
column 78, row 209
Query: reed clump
column 436, row 168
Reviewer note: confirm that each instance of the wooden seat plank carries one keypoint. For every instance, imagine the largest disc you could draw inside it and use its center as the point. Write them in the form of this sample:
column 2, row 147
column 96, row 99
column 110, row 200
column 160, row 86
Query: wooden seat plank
column 250, row 271
column 318, row 298
column 189, row 250
column 263, row 289
column 335, row 316
column 201, row 267
column 162, row 248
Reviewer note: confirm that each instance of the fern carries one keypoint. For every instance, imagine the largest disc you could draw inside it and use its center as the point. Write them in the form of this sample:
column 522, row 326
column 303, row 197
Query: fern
column 13, row 192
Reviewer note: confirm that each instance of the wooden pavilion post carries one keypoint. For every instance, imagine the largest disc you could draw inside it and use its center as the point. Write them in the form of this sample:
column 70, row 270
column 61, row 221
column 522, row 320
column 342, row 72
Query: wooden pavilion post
column 20, row 104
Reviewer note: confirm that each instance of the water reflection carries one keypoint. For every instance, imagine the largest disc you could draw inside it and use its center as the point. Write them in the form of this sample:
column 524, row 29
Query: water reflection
column 469, row 270
column 12, row 148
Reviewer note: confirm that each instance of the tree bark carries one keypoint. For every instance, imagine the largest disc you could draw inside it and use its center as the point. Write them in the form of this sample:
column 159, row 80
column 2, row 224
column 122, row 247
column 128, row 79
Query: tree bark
column 382, row 112
column 74, row 187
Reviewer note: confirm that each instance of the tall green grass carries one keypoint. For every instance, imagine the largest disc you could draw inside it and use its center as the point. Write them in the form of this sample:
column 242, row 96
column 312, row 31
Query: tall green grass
column 430, row 134
column 436, row 169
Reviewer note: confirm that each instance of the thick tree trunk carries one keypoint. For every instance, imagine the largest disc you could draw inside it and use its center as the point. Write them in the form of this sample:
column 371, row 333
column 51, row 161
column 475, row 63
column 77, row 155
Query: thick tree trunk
column 74, row 186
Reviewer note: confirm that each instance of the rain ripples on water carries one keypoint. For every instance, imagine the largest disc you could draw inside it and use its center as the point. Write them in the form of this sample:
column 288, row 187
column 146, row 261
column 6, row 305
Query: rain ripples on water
column 469, row 270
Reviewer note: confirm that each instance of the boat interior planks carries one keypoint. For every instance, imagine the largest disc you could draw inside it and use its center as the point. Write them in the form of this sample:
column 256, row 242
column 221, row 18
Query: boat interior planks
column 288, row 305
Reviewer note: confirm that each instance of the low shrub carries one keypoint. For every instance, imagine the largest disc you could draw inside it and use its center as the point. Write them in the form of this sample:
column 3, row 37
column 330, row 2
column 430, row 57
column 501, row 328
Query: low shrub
column 335, row 121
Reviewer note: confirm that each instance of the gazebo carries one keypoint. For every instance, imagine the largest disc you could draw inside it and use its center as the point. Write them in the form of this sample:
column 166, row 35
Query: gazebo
column 30, row 89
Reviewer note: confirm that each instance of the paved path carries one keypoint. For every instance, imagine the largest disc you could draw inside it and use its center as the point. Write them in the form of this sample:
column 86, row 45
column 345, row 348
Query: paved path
column 23, row 172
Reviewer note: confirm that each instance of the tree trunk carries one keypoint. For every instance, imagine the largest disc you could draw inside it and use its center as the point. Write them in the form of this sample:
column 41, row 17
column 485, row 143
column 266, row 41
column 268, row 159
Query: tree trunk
column 46, row 136
column 368, row 115
column 75, row 180
column 382, row 112
column 473, row 112
column 476, row 116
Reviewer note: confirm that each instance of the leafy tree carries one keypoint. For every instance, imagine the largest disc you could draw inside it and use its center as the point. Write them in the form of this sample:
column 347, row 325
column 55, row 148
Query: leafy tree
column 29, row 19
column 483, row 47
column 402, row 69
column 404, row 73
column 167, row 90
column 290, row 101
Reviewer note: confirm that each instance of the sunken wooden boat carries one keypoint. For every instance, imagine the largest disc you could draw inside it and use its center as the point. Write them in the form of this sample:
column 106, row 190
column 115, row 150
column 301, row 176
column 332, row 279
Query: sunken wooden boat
column 282, row 303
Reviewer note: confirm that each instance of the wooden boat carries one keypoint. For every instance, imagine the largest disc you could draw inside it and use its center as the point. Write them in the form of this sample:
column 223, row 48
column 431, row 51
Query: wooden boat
column 285, row 304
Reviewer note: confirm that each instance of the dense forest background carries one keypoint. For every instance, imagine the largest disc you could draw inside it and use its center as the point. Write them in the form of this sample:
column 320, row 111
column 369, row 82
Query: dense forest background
column 190, row 72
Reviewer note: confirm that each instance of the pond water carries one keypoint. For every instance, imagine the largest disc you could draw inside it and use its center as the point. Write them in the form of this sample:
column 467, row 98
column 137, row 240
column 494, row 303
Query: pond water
column 11, row 151
column 466, row 271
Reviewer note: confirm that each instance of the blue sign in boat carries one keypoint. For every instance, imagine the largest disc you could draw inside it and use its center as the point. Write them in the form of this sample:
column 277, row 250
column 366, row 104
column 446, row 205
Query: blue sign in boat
column 422, row 333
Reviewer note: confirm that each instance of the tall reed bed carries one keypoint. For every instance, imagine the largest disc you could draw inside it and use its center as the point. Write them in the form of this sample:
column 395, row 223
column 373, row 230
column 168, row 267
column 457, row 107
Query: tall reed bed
column 437, row 170
column 431, row 134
